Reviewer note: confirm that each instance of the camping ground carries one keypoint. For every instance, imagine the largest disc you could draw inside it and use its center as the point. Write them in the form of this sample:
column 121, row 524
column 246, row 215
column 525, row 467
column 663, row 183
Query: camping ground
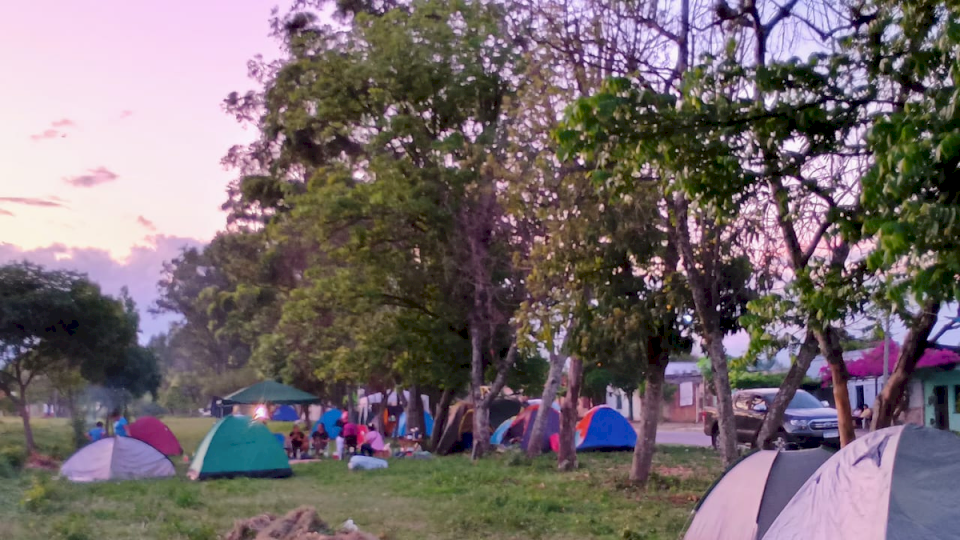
column 499, row 498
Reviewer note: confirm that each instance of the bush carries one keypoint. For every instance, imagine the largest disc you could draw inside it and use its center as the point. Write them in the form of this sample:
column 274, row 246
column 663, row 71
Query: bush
column 74, row 527
column 15, row 456
column 6, row 469
column 39, row 495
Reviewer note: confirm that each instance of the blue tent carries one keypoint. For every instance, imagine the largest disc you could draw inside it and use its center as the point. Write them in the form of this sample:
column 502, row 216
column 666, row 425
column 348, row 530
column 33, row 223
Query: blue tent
column 285, row 413
column 603, row 428
column 329, row 420
column 497, row 437
column 402, row 424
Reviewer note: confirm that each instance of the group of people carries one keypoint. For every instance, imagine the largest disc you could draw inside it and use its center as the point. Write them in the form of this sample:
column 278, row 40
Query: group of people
column 297, row 447
column 119, row 428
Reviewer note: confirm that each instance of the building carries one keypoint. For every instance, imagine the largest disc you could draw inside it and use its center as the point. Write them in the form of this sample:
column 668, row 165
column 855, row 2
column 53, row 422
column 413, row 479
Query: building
column 683, row 395
column 932, row 393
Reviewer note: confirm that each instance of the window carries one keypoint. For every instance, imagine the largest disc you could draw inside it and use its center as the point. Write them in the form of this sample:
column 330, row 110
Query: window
column 619, row 401
column 860, row 398
column 743, row 402
column 956, row 398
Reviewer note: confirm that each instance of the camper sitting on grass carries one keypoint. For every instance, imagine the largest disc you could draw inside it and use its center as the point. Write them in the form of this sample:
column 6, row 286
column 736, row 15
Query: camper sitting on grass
column 372, row 442
column 319, row 440
column 96, row 433
column 297, row 440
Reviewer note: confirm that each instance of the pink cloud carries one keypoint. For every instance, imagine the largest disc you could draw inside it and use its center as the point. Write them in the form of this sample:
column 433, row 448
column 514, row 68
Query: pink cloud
column 146, row 223
column 94, row 177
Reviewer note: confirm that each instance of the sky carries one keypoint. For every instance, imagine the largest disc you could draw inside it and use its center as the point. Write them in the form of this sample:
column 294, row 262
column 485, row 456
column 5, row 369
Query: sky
column 113, row 131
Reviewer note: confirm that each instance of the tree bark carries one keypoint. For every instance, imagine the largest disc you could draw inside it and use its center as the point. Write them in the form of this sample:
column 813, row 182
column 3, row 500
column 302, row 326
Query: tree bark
column 567, row 453
column 721, row 384
column 24, row 407
column 649, row 418
column 788, row 389
column 481, row 407
column 830, row 348
column 546, row 401
column 914, row 345
column 415, row 419
column 440, row 417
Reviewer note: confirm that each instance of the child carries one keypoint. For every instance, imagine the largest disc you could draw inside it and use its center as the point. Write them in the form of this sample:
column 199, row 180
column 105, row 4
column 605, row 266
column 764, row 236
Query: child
column 96, row 433
column 319, row 440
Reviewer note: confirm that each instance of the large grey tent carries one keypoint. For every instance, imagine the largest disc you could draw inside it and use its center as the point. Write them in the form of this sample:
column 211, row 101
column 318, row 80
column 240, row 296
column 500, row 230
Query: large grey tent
column 747, row 499
column 899, row 483
column 117, row 458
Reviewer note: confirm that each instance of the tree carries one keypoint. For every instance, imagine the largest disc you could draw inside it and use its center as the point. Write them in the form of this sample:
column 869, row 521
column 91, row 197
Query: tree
column 910, row 194
column 52, row 322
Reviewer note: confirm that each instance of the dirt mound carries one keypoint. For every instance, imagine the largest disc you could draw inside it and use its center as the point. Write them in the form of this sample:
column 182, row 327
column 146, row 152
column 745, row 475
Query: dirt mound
column 39, row 461
column 300, row 524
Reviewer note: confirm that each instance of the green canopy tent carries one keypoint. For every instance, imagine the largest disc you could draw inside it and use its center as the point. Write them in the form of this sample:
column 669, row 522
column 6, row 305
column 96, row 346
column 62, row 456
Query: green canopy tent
column 238, row 446
column 270, row 392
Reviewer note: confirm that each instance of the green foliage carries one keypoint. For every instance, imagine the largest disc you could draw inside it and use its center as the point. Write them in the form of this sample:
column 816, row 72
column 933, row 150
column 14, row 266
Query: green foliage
column 73, row 527
column 39, row 496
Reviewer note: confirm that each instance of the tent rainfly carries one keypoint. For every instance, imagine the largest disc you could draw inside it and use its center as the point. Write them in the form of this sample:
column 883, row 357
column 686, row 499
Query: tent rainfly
column 117, row 458
column 238, row 446
column 897, row 483
column 269, row 392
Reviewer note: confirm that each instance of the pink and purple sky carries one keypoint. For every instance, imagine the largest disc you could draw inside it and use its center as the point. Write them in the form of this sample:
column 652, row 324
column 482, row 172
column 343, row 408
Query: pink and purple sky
column 113, row 130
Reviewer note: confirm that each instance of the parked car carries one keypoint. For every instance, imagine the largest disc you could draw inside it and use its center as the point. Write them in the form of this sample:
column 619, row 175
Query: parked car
column 807, row 422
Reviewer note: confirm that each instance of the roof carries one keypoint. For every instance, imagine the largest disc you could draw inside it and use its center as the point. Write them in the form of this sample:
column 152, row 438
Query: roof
column 870, row 364
column 270, row 392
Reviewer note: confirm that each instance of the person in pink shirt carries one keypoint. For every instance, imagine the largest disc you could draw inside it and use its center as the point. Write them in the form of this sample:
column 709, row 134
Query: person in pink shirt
column 372, row 442
column 349, row 434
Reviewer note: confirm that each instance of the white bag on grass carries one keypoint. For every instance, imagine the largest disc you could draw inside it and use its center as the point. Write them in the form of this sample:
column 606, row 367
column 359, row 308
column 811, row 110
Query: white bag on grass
column 365, row 463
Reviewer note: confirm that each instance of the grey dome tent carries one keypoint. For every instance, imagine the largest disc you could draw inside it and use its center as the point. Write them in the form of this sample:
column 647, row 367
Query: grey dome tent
column 898, row 483
column 117, row 458
column 746, row 500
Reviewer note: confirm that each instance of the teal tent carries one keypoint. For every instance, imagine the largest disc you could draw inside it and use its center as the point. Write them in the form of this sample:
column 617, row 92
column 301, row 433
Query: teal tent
column 269, row 392
column 239, row 446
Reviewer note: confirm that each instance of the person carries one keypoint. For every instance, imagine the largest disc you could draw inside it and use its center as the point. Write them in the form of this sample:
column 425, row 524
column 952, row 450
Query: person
column 372, row 442
column 320, row 439
column 349, row 433
column 120, row 425
column 865, row 415
column 96, row 433
column 297, row 438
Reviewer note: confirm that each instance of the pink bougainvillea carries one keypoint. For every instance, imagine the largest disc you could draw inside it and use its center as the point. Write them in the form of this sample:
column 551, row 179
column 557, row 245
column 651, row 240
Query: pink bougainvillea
column 871, row 363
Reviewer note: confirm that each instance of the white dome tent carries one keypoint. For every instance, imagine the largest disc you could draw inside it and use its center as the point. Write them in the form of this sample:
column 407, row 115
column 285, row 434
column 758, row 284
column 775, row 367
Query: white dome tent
column 116, row 458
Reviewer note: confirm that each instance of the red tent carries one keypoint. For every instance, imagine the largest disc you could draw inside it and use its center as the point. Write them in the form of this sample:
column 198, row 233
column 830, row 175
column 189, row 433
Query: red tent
column 155, row 433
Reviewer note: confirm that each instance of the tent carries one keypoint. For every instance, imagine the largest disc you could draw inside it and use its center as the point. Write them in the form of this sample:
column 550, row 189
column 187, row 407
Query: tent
column 117, row 458
column 522, row 427
column 269, row 392
column 285, row 413
column 329, row 421
column 501, row 430
column 603, row 428
column 900, row 482
column 501, row 409
column 402, row 425
column 743, row 503
column 458, row 430
column 239, row 446
column 155, row 433
column 555, row 405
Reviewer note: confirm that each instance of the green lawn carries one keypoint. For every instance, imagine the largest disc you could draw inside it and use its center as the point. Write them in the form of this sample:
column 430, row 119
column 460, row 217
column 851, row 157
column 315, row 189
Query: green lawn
column 503, row 497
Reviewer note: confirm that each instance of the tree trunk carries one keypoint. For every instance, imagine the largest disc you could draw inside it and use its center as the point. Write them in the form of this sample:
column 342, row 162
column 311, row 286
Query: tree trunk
column 727, row 427
column 567, row 453
column 832, row 351
column 481, row 415
column 415, row 419
column 649, row 418
column 788, row 389
column 24, row 407
column 549, row 395
column 914, row 345
column 440, row 417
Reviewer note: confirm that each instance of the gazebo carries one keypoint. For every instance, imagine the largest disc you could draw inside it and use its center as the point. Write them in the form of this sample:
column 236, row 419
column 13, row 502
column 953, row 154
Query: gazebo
column 270, row 392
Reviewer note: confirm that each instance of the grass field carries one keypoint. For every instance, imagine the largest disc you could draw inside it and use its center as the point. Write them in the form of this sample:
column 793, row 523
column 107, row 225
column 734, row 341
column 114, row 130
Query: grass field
column 505, row 497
